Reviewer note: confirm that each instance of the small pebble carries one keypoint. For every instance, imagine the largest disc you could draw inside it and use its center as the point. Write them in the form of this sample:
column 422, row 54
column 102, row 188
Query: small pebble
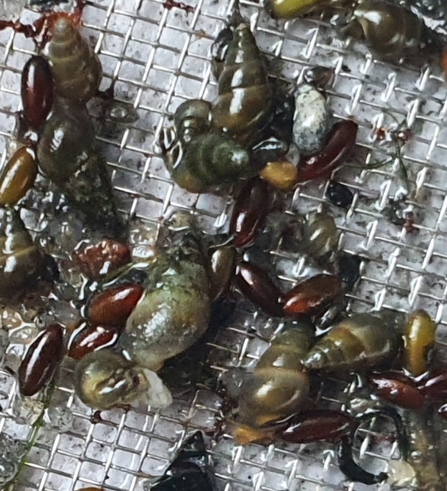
column 312, row 119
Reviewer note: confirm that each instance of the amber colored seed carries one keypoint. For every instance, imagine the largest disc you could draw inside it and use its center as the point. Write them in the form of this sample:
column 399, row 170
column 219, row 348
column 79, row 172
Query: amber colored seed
column 312, row 295
column 244, row 435
column 41, row 360
column 249, row 212
column 91, row 338
column 397, row 389
column 18, row 176
column 97, row 260
column 318, row 425
column 419, row 342
column 256, row 285
column 281, row 174
column 113, row 306
column 37, row 91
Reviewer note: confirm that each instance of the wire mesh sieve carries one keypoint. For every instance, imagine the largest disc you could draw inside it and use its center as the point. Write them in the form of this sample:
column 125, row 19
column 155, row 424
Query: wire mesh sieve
column 157, row 55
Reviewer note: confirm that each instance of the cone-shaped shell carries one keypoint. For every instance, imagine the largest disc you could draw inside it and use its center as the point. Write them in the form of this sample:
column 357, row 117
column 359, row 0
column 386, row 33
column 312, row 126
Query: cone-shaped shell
column 278, row 386
column 76, row 68
column 360, row 342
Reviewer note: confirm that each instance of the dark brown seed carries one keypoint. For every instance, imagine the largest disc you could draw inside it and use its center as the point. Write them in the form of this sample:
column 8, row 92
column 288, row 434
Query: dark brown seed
column 312, row 295
column 443, row 411
column 249, row 212
column 398, row 389
column 90, row 338
column 222, row 265
column 318, row 425
column 435, row 388
column 41, row 360
column 37, row 91
column 97, row 260
column 113, row 306
column 257, row 286
column 340, row 142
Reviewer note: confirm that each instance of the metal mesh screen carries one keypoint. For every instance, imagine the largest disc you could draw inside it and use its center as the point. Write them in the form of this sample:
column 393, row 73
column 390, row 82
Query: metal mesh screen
column 157, row 54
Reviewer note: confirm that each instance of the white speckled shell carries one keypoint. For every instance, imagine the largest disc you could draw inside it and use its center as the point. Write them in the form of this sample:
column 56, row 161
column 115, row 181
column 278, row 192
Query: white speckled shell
column 312, row 119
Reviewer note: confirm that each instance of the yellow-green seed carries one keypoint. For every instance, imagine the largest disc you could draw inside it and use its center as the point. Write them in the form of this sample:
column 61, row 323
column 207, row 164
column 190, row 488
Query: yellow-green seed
column 419, row 340
column 289, row 9
column 18, row 176
column 280, row 174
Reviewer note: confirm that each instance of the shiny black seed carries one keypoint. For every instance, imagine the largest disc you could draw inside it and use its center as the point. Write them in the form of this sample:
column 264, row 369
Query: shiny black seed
column 349, row 269
column 339, row 195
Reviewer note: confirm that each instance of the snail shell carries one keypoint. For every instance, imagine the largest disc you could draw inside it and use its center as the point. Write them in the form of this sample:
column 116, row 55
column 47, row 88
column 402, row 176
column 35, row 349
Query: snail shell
column 278, row 386
column 68, row 156
column 360, row 342
column 76, row 68
column 20, row 261
column 104, row 380
column 174, row 311
column 244, row 103
column 196, row 158
column 392, row 31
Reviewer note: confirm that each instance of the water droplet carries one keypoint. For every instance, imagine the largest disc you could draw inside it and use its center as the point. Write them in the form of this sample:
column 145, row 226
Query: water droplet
column 13, row 357
column 26, row 411
column 11, row 319
column 24, row 334
column 11, row 453
column 121, row 113
column 8, row 470
column 11, row 8
column 143, row 238
column 9, row 443
column 232, row 381
column 59, row 418
column 148, row 483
